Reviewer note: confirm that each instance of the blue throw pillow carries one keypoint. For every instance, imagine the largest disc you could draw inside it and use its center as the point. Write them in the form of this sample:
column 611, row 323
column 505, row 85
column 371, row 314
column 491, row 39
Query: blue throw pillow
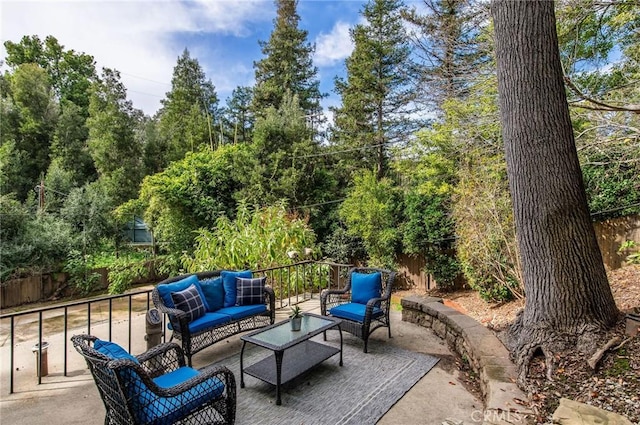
column 112, row 350
column 190, row 302
column 166, row 289
column 250, row 291
column 230, row 287
column 213, row 293
column 365, row 286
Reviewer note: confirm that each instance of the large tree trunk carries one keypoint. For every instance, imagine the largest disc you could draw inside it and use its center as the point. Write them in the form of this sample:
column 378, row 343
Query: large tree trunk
column 568, row 298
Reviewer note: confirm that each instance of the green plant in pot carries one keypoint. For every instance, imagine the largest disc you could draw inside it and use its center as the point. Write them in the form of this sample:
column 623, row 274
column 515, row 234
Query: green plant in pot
column 295, row 318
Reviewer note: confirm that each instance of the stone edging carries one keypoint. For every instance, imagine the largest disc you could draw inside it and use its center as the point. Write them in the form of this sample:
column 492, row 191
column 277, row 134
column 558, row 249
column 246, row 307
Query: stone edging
column 486, row 354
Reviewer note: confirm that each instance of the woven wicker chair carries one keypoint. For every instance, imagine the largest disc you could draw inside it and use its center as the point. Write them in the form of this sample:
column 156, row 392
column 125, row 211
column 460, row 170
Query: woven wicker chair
column 360, row 316
column 156, row 387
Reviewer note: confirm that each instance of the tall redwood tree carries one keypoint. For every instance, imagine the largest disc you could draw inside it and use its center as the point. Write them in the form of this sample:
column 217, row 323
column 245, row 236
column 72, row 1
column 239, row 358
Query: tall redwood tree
column 568, row 298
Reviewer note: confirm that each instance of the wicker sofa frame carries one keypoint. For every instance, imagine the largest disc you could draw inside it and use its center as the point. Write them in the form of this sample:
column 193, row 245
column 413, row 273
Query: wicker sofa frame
column 124, row 385
column 363, row 329
column 195, row 342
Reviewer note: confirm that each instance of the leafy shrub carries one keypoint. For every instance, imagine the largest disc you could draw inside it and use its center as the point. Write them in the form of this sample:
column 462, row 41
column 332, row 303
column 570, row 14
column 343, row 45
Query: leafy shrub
column 81, row 275
column 370, row 213
column 257, row 238
column 486, row 243
column 123, row 272
column 32, row 243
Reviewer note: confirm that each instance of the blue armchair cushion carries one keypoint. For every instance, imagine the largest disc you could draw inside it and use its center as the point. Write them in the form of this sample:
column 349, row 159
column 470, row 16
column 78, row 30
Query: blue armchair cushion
column 213, row 291
column 151, row 409
column 112, row 350
column 166, row 289
column 190, row 302
column 250, row 291
column 354, row 312
column 229, row 283
column 365, row 286
column 240, row 312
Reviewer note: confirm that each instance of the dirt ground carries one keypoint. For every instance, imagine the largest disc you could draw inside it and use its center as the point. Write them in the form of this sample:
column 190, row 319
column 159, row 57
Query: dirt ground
column 614, row 385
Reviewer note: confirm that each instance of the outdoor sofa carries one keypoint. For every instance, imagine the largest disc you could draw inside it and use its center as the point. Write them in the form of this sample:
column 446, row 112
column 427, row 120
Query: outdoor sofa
column 207, row 307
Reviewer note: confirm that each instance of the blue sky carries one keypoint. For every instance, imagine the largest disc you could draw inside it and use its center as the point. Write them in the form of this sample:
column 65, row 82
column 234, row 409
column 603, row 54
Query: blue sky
column 143, row 38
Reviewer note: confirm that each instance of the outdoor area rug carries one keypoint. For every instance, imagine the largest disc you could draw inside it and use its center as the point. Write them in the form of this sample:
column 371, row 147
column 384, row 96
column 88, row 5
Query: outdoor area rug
column 359, row 392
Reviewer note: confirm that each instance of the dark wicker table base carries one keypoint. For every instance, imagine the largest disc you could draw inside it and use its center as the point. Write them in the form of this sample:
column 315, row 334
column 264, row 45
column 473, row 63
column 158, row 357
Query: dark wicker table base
column 289, row 361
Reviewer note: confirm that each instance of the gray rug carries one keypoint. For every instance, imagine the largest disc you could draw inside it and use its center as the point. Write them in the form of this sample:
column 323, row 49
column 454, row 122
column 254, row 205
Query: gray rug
column 359, row 392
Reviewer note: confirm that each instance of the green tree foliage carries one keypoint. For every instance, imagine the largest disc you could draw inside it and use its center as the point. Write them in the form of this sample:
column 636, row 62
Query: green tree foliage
column 469, row 135
column 370, row 212
column 89, row 210
column 257, row 238
column 238, row 116
column 376, row 96
column 189, row 112
column 191, row 194
column 31, row 113
column 602, row 91
column 111, row 123
column 154, row 146
column 288, row 167
column 428, row 227
column 70, row 73
column 287, row 66
column 70, row 147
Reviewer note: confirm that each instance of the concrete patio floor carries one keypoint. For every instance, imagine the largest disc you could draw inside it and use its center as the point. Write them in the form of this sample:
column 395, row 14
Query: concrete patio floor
column 439, row 397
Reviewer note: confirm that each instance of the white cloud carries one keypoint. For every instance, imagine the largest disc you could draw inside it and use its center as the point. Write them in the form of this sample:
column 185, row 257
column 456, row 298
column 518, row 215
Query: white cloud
column 136, row 37
column 334, row 46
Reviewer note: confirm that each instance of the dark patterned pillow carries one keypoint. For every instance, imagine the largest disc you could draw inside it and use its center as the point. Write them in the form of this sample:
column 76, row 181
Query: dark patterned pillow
column 250, row 291
column 190, row 302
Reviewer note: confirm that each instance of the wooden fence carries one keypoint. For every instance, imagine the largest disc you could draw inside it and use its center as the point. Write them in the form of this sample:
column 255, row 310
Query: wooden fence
column 50, row 286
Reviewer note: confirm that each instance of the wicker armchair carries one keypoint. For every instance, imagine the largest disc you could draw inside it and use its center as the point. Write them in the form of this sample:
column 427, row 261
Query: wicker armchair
column 156, row 387
column 361, row 310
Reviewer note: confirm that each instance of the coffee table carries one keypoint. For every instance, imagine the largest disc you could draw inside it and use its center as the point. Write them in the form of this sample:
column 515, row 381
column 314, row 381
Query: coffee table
column 293, row 351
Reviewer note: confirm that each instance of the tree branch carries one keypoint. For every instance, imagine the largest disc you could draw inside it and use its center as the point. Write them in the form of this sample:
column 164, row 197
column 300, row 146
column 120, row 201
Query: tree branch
column 600, row 106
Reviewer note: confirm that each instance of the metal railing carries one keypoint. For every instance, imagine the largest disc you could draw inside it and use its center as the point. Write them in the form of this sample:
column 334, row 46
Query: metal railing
column 292, row 284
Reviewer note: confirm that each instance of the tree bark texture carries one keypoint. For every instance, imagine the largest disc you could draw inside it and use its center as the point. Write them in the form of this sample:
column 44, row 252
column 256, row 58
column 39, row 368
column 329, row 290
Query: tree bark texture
column 568, row 297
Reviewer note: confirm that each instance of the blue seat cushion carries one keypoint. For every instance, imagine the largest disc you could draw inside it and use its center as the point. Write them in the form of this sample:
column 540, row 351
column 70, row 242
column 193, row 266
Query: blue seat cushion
column 250, row 291
column 229, row 283
column 213, row 293
column 166, row 289
column 208, row 321
column 354, row 312
column 112, row 350
column 151, row 409
column 365, row 286
column 240, row 312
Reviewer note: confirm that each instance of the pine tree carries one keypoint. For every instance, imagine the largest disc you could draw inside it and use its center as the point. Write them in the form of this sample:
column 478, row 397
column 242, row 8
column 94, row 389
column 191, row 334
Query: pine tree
column 376, row 98
column 449, row 46
column 188, row 114
column 238, row 117
column 287, row 66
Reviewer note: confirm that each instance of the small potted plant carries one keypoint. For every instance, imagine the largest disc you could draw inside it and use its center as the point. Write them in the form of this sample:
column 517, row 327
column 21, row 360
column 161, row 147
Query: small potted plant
column 295, row 318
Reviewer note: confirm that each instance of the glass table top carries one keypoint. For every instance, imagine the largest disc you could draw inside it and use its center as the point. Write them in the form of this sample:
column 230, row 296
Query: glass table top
column 281, row 334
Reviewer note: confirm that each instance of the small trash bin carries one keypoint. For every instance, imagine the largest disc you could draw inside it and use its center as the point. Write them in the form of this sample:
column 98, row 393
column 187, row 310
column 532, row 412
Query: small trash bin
column 42, row 360
column 153, row 328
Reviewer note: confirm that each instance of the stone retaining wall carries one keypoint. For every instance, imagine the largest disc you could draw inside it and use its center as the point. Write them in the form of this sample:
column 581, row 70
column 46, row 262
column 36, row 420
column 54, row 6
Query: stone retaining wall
column 504, row 401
